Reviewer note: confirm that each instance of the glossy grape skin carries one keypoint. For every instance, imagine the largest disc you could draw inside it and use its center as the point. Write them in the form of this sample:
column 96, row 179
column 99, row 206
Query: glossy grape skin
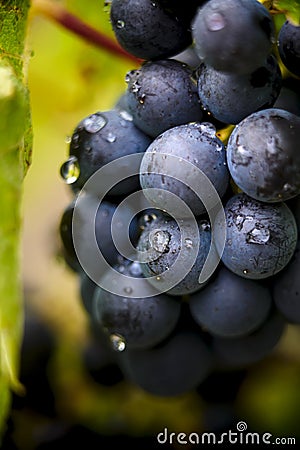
column 195, row 143
column 231, row 306
column 233, row 35
column 263, row 155
column 161, row 262
column 175, row 367
column 231, row 97
column 261, row 237
column 162, row 94
column 141, row 322
column 103, row 137
column 146, row 30
column 233, row 353
column 289, row 46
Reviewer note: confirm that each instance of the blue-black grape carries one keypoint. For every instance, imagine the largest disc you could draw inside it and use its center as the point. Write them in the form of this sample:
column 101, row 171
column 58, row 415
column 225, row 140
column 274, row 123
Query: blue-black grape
column 231, row 306
column 289, row 46
column 178, row 365
column 163, row 167
column 66, row 239
column 98, row 139
column 261, row 237
column 243, row 351
column 133, row 321
column 286, row 289
column 289, row 97
column 164, row 240
column 263, row 155
column 233, row 35
column 162, row 94
column 96, row 218
column 146, row 30
column 230, row 97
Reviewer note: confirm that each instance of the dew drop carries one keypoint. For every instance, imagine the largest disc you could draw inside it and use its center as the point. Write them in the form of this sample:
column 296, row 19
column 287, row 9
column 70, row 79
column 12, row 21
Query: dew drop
column 258, row 235
column 245, row 271
column 188, row 243
column 68, row 139
column 147, row 219
column 135, row 87
column 159, row 240
column 128, row 290
column 121, row 269
column 94, row 123
column 118, row 342
column 126, row 115
column 215, row 22
column 107, row 4
column 70, row 170
column 135, row 269
column 120, row 24
column 205, row 225
column 111, row 138
column 75, row 140
column 287, row 187
column 142, row 99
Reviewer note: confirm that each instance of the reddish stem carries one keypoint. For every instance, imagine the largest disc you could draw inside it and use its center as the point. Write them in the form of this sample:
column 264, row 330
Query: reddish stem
column 77, row 26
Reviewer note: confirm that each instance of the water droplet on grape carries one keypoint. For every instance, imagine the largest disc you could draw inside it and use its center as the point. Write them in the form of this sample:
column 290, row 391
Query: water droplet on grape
column 126, row 115
column 188, row 243
column 70, row 170
column 142, row 99
column 120, row 24
column 118, row 342
column 135, row 269
column 287, row 187
column 159, row 240
column 128, row 290
column 135, row 87
column 111, row 138
column 205, row 225
column 94, row 123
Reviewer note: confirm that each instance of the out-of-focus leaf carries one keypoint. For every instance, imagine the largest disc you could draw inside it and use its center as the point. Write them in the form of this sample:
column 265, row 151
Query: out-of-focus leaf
column 291, row 9
column 14, row 159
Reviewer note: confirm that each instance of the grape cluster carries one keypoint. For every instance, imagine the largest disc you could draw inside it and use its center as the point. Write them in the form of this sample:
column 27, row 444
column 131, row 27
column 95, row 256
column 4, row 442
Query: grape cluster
column 184, row 219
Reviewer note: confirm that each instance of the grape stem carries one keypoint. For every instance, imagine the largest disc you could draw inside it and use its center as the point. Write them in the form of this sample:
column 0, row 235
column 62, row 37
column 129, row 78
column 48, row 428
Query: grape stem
column 71, row 22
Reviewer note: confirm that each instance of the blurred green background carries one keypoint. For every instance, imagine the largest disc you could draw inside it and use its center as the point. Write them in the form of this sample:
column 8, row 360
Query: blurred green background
column 69, row 79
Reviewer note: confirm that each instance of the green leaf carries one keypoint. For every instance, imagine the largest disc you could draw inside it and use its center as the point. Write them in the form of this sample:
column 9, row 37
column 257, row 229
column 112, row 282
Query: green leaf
column 291, row 9
column 15, row 144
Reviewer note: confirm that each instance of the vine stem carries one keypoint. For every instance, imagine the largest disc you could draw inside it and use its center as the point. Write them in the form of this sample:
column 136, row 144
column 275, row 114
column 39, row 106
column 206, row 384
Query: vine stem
column 71, row 22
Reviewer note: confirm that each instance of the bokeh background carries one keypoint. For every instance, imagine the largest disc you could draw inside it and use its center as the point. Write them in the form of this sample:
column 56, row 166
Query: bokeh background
column 69, row 79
